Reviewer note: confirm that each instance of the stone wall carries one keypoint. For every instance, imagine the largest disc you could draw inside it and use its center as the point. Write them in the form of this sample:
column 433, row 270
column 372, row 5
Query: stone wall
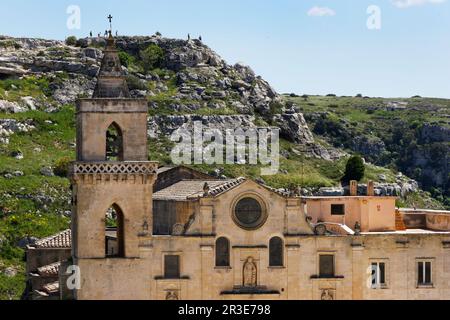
column 438, row 220
column 297, row 279
column 142, row 276
column 39, row 257
column 95, row 116
column 372, row 213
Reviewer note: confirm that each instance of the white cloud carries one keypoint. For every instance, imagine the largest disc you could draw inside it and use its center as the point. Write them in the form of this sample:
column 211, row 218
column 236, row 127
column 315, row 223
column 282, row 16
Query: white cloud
column 410, row 3
column 321, row 12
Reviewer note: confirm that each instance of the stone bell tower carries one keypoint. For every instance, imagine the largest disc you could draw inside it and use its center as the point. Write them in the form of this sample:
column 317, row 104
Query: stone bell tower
column 112, row 185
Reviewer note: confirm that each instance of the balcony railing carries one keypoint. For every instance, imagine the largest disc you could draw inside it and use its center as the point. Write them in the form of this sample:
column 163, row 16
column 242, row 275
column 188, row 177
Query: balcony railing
column 127, row 167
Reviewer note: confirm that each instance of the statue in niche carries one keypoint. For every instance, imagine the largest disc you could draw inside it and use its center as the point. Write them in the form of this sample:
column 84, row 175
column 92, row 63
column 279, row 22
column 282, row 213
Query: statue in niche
column 171, row 295
column 250, row 273
column 327, row 295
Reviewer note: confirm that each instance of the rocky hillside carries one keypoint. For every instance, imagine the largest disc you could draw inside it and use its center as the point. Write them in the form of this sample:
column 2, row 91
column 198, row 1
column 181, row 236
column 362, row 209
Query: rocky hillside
column 185, row 81
column 411, row 136
column 177, row 77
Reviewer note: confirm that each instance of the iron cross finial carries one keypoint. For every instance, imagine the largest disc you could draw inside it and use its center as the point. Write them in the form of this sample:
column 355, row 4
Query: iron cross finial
column 110, row 21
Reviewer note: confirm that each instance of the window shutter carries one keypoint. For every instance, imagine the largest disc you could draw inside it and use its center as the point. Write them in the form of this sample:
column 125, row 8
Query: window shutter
column 326, row 265
column 222, row 252
column 171, row 267
column 276, row 252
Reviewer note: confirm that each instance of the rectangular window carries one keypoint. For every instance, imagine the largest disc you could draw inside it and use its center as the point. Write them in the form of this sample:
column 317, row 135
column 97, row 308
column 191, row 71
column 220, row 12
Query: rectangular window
column 338, row 209
column 424, row 269
column 326, row 266
column 378, row 275
column 171, row 266
column 164, row 217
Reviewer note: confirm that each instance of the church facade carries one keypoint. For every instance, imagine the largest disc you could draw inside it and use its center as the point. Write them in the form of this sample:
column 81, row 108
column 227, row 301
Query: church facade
column 196, row 237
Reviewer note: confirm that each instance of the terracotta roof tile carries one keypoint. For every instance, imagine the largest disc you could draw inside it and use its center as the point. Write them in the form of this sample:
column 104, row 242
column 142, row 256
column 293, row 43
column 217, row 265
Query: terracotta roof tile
column 230, row 184
column 60, row 240
column 49, row 270
column 50, row 288
column 192, row 189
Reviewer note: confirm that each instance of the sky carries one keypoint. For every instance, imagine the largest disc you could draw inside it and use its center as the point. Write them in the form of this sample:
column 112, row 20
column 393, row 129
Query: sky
column 378, row 48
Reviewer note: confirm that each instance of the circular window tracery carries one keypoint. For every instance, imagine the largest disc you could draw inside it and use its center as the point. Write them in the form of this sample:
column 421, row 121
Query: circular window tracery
column 249, row 213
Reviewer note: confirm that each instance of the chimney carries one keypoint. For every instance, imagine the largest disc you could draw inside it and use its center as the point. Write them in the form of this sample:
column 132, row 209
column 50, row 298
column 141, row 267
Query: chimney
column 353, row 188
column 370, row 189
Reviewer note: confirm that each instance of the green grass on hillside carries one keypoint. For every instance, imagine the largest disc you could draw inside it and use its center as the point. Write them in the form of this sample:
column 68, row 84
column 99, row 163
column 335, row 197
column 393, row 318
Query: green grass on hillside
column 34, row 205
column 396, row 123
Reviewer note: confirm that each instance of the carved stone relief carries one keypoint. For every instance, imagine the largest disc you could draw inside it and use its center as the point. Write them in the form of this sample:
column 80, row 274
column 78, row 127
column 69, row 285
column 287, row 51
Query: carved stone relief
column 172, row 295
column 250, row 273
column 327, row 294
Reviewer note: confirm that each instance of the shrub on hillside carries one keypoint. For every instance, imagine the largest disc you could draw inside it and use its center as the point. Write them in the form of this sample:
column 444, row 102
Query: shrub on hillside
column 125, row 59
column 62, row 167
column 152, row 57
column 10, row 44
column 275, row 107
column 71, row 41
column 354, row 170
column 326, row 125
column 134, row 83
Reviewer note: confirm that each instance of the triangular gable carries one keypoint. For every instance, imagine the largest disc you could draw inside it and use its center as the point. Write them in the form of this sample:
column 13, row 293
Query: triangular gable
column 239, row 182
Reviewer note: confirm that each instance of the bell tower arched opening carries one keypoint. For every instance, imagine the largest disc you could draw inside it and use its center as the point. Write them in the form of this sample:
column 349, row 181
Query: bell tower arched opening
column 114, row 233
column 114, row 143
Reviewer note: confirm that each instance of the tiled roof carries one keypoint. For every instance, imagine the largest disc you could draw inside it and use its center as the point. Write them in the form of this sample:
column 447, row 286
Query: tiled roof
column 230, row 184
column 60, row 240
column 50, row 288
column 192, row 189
column 164, row 169
column 49, row 270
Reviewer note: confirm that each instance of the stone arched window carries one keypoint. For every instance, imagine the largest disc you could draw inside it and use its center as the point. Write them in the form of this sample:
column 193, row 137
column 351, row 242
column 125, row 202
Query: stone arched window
column 222, row 252
column 276, row 252
column 114, row 143
column 114, row 232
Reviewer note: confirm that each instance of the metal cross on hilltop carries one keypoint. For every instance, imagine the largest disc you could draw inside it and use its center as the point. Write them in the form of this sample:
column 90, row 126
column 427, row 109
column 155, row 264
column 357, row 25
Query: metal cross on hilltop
column 110, row 17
